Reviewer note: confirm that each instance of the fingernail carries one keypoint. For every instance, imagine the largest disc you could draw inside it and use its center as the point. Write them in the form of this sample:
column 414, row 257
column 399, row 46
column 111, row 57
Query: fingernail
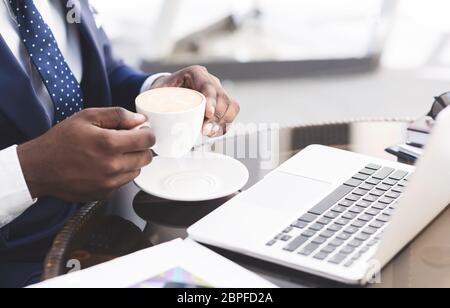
column 208, row 129
column 215, row 128
column 140, row 117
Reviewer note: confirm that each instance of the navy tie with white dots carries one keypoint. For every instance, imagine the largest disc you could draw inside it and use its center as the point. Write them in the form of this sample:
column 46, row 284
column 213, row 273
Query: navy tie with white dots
column 46, row 56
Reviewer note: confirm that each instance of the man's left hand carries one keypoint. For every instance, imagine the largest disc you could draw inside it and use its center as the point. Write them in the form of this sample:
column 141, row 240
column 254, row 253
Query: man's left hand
column 221, row 109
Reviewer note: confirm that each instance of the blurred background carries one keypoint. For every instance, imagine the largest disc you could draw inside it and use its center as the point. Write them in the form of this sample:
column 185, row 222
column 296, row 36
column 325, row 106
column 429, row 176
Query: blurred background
column 295, row 61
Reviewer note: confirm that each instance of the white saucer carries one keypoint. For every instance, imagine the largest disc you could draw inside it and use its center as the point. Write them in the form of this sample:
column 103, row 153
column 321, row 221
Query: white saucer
column 200, row 176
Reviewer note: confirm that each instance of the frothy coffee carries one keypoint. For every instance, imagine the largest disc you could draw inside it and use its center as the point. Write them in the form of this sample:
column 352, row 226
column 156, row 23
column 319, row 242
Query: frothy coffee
column 169, row 100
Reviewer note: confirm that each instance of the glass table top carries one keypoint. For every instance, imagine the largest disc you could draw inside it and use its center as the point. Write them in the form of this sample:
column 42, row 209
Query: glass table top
column 425, row 262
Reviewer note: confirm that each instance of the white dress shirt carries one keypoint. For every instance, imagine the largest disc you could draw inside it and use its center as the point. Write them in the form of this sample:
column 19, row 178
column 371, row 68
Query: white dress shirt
column 15, row 197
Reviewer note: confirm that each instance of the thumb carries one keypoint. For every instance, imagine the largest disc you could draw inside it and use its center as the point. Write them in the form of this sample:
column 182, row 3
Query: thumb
column 117, row 118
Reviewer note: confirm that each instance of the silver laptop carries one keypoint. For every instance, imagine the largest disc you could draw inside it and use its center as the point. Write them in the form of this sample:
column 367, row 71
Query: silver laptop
column 333, row 213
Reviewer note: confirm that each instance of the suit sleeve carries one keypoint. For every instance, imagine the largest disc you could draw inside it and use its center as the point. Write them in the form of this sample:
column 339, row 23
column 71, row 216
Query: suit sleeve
column 125, row 82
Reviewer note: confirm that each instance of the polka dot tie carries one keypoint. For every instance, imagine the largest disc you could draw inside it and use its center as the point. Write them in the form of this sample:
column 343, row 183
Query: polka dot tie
column 46, row 56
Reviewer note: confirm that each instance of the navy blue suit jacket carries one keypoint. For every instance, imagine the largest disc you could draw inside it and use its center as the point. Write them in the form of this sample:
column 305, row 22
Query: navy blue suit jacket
column 106, row 82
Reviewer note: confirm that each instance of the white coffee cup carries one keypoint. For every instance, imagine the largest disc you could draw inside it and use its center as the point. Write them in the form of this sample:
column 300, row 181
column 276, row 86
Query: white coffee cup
column 176, row 116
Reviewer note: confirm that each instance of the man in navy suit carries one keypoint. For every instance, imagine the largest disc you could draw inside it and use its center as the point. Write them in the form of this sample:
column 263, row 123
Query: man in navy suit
column 66, row 119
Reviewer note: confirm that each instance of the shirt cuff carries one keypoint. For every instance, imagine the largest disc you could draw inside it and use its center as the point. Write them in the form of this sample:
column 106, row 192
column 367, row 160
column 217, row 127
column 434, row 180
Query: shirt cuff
column 151, row 80
column 15, row 197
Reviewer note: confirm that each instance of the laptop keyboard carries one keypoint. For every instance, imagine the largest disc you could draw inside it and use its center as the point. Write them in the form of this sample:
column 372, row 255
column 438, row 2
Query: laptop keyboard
column 347, row 223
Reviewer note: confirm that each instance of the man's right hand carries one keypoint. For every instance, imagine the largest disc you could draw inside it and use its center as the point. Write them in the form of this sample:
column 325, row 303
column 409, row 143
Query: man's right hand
column 88, row 156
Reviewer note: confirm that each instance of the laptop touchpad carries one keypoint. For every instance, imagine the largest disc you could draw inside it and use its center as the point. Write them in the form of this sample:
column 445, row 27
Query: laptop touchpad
column 288, row 193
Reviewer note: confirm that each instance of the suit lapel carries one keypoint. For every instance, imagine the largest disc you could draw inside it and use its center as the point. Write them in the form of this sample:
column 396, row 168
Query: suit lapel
column 18, row 100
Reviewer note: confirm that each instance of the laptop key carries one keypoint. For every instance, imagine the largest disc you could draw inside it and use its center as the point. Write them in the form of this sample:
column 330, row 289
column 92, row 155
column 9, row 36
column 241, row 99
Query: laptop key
column 368, row 171
column 355, row 244
column 334, row 228
column 377, row 193
column 331, row 200
column 372, row 212
column 296, row 243
column 332, row 215
column 342, row 221
column 309, row 233
column 373, row 167
column 344, row 236
column 337, row 243
column 353, row 183
column 379, row 206
column 338, row 259
column 390, row 182
column 321, row 256
column 403, row 184
column 271, row 243
column 346, row 203
column 383, row 173
column 362, row 237
column 308, row 217
column 339, row 209
column 389, row 212
column 360, row 192
column 319, row 240
column 398, row 189
column 349, row 216
column 316, row 227
column 286, row 238
column 349, row 263
column 347, row 250
column 351, row 230
column 328, row 249
column 384, row 218
column 358, row 224
column 361, row 177
column 353, row 197
column 364, row 250
column 299, row 224
column 309, row 249
column 365, row 217
column 377, row 224
column 386, row 200
column 288, row 230
column 373, row 181
column 364, row 204
column 324, row 221
column 370, row 231
column 366, row 186
column 357, row 210
column 398, row 175
column 370, row 198
column 393, row 195
column 356, row 257
column 383, row 187
column 327, row 234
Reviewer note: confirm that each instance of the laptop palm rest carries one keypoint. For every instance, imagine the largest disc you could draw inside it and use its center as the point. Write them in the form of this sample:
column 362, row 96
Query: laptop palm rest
column 293, row 193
